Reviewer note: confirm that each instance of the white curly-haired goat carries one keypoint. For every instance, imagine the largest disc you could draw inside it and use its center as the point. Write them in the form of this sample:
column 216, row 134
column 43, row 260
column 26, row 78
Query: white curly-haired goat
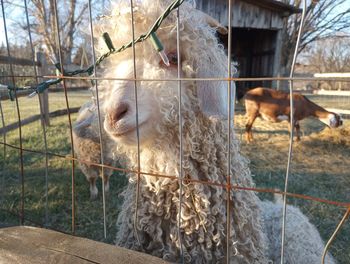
column 255, row 226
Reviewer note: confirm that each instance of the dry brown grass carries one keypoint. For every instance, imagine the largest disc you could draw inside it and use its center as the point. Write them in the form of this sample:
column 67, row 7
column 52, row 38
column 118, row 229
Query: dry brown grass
column 320, row 168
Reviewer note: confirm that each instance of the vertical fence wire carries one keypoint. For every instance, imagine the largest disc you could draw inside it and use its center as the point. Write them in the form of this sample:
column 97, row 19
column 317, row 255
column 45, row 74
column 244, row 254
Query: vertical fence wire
column 231, row 96
column 19, row 119
column 4, row 150
column 3, row 165
column 99, row 122
column 43, row 124
column 58, row 40
column 228, row 179
column 180, row 132
column 292, row 123
column 329, row 242
column 137, row 125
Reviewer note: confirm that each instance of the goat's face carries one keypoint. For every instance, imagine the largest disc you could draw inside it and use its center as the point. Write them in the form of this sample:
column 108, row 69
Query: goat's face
column 201, row 56
column 120, row 103
column 335, row 120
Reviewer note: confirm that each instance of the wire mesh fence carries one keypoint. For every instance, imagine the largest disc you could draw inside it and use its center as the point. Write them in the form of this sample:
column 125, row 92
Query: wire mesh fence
column 40, row 181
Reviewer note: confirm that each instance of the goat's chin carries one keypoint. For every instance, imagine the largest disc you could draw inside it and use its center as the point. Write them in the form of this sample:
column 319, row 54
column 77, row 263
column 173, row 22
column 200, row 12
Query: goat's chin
column 146, row 135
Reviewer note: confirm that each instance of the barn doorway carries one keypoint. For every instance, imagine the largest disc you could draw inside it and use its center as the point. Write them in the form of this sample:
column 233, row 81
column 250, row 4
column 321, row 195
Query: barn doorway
column 254, row 51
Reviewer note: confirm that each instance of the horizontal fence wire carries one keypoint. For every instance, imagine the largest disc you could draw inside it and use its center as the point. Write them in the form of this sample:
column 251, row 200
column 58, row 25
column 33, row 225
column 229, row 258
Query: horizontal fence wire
column 45, row 85
column 236, row 79
column 217, row 184
column 227, row 186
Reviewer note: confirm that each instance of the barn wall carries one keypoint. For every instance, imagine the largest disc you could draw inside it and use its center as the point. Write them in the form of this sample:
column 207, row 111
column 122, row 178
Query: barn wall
column 244, row 15
column 256, row 37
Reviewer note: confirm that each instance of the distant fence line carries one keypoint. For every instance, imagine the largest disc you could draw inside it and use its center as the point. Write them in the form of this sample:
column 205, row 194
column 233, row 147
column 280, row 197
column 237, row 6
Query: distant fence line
column 42, row 69
column 33, row 118
column 344, row 112
column 18, row 61
column 332, row 75
column 331, row 92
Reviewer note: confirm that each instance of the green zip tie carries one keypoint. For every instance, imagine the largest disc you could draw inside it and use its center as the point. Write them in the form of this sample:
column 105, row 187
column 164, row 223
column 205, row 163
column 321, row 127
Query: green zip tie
column 108, row 41
column 156, row 42
column 151, row 33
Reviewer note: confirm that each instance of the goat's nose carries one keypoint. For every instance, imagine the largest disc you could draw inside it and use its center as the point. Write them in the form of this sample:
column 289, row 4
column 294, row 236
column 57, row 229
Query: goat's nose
column 119, row 112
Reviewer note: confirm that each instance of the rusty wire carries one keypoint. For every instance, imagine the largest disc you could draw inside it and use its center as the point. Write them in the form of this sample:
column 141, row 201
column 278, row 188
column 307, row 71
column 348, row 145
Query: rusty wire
column 99, row 121
column 178, row 45
column 228, row 186
column 58, row 40
column 291, row 121
column 229, row 130
column 41, row 106
column 138, row 179
column 235, row 79
column 3, row 164
column 217, row 184
column 19, row 120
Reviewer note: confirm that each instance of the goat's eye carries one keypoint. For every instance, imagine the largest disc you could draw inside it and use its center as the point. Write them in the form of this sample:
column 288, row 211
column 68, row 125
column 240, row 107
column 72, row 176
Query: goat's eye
column 172, row 56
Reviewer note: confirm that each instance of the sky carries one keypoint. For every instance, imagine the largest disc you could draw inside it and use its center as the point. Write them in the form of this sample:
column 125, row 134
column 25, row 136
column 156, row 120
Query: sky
column 17, row 12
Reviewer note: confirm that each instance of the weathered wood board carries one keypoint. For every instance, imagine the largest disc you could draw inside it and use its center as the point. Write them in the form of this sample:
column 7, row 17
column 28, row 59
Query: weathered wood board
column 28, row 245
column 244, row 14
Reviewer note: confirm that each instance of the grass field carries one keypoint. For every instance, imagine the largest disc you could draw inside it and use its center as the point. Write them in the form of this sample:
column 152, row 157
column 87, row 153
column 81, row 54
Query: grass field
column 320, row 168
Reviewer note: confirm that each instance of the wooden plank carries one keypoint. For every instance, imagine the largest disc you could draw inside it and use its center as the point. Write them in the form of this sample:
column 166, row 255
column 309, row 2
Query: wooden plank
column 25, row 244
column 17, row 61
column 34, row 118
column 276, row 21
column 275, row 6
column 251, row 16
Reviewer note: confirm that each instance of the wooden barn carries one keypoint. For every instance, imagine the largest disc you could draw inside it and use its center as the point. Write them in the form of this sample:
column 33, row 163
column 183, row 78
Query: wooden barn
column 256, row 35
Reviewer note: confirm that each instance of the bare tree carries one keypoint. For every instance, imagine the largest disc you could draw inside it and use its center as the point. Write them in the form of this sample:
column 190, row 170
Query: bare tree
column 330, row 55
column 44, row 25
column 321, row 21
column 72, row 18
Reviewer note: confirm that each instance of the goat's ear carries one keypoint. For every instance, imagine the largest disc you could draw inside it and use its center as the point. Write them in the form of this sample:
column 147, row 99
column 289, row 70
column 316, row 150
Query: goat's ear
column 84, row 123
column 212, row 96
column 214, row 23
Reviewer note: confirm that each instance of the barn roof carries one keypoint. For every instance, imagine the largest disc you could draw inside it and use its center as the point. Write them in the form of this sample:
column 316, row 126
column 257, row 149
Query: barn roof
column 276, row 6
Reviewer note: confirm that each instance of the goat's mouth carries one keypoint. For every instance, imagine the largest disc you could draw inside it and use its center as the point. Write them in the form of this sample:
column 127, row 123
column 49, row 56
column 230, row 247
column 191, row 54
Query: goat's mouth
column 124, row 131
column 337, row 124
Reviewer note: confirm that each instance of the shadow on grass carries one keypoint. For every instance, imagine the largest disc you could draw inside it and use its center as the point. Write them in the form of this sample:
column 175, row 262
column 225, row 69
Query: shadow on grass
column 89, row 214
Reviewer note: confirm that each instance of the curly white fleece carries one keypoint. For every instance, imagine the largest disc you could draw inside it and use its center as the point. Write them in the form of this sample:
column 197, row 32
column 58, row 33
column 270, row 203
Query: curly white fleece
column 203, row 212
